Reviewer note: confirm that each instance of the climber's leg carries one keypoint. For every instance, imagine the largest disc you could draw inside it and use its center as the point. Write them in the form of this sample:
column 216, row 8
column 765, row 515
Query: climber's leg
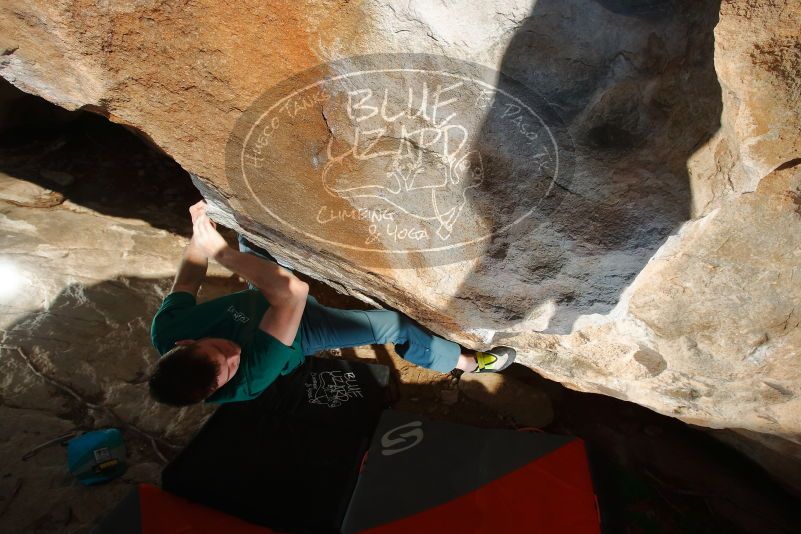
column 323, row 327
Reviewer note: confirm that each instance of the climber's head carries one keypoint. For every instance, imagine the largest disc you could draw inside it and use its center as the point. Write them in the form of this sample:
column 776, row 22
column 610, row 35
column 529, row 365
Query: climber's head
column 193, row 370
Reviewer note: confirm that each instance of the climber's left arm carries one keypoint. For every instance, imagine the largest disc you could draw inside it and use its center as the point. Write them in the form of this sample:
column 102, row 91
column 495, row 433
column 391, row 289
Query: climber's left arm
column 192, row 271
column 194, row 263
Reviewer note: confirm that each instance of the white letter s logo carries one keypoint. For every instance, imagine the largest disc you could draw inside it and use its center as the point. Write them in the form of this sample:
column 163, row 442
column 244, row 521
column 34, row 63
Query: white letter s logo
column 395, row 437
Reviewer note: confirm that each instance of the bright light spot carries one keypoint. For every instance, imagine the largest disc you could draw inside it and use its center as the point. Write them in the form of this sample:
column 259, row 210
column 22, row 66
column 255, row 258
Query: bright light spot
column 11, row 280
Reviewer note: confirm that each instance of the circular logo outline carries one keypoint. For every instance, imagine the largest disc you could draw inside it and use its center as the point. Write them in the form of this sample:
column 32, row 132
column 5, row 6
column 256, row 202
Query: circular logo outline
column 561, row 168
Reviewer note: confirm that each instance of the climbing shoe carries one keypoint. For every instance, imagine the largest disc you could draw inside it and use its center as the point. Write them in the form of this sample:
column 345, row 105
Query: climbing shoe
column 495, row 359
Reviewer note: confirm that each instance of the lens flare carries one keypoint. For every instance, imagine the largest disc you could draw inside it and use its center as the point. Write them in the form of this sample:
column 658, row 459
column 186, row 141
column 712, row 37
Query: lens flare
column 11, row 280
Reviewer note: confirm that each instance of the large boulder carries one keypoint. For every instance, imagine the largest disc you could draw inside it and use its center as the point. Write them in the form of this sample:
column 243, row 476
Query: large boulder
column 610, row 185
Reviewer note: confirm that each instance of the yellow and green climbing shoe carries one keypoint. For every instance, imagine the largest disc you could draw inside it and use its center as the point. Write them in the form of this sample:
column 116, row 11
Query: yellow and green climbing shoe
column 495, row 359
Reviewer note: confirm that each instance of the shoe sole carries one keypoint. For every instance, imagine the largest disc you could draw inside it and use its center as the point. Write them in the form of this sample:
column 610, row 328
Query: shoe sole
column 496, row 351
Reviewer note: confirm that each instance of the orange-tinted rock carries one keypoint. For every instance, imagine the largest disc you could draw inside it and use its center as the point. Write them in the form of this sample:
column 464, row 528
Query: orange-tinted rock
column 658, row 263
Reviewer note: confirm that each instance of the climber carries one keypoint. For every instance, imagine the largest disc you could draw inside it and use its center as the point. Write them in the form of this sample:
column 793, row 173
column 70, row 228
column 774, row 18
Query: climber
column 233, row 347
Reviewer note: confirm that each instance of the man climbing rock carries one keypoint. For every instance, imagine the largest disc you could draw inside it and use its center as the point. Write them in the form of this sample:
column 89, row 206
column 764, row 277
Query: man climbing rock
column 233, row 347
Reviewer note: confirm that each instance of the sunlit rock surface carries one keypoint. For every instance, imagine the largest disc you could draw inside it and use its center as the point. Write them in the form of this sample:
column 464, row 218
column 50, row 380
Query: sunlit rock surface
column 78, row 288
column 657, row 263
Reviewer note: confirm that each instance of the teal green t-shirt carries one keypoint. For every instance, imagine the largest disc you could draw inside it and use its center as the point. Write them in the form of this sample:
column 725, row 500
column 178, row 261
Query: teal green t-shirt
column 235, row 317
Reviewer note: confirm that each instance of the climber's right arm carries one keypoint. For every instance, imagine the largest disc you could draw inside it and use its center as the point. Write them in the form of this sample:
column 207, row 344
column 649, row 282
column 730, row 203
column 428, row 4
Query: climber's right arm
column 278, row 285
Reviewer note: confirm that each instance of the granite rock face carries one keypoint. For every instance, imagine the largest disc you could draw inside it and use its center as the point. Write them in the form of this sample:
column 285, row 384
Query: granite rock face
column 612, row 186
column 78, row 288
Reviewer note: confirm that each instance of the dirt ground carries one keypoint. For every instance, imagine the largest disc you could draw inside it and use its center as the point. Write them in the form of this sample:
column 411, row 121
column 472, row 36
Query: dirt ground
column 653, row 473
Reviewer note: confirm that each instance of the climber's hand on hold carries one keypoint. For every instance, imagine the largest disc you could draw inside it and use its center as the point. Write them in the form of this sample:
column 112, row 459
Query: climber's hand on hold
column 198, row 209
column 206, row 237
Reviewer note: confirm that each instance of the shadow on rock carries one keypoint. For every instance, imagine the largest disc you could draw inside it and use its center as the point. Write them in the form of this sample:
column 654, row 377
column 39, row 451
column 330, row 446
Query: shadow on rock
column 86, row 355
column 84, row 158
column 627, row 92
column 657, row 474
